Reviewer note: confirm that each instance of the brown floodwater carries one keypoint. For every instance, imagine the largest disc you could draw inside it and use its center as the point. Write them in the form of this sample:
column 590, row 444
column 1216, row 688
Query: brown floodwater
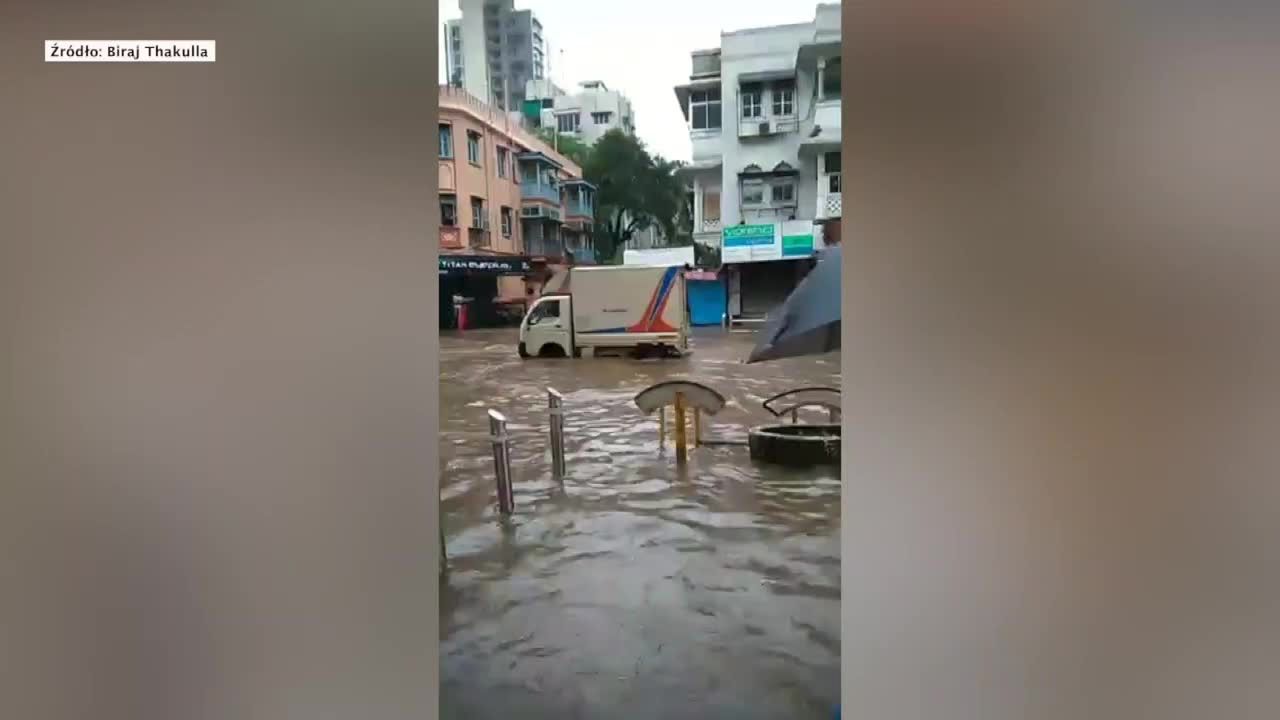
column 635, row 589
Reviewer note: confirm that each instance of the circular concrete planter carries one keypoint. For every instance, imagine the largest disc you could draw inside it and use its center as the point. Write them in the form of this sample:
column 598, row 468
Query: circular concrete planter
column 796, row 445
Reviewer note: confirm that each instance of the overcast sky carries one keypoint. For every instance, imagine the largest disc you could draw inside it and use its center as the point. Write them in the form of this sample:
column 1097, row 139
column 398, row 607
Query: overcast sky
column 642, row 48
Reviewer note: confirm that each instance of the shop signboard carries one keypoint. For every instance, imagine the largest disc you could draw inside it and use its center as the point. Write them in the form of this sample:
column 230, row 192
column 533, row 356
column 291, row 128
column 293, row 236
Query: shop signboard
column 750, row 243
column 797, row 246
column 484, row 264
column 790, row 240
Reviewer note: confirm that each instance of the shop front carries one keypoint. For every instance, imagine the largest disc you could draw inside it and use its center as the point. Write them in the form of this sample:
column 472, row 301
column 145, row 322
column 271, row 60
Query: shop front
column 469, row 289
column 763, row 263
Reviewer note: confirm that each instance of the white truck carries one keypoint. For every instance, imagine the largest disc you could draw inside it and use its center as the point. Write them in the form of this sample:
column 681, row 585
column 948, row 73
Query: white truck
column 614, row 308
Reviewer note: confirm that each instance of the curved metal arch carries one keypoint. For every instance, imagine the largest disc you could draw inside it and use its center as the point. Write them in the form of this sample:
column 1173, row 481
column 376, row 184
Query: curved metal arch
column 833, row 411
column 696, row 395
column 826, row 392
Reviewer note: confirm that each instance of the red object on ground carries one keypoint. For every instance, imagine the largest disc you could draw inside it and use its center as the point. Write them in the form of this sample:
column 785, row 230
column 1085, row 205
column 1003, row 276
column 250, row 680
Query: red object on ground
column 462, row 317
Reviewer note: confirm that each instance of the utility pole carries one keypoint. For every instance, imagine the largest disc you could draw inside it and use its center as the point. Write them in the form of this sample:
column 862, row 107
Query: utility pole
column 553, row 82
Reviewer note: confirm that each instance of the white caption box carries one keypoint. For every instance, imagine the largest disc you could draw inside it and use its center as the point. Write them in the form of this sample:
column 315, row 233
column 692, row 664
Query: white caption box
column 102, row 51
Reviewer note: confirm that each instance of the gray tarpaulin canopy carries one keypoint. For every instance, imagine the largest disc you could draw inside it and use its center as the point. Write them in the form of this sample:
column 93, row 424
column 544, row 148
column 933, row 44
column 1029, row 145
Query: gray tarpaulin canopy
column 808, row 323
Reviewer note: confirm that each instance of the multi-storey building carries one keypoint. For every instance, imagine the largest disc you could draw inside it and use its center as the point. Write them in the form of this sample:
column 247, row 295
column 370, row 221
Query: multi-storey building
column 493, row 50
column 511, row 207
column 763, row 112
column 585, row 115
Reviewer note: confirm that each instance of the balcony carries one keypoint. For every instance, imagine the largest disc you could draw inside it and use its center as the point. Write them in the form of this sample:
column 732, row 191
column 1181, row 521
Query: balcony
column 450, row 237
column 826, row 113
column 770, row 213
column 578, row 208
column 766, row 125
column 478, row 238
column 549, row 247
column 544, row 192
column 829, row 206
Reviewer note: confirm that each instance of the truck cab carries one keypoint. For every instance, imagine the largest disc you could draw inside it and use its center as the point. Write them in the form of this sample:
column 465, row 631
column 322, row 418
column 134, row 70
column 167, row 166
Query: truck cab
column 547, row 329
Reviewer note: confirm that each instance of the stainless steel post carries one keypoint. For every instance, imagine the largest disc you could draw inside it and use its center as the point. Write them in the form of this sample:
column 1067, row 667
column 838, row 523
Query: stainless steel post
column 501, row 461
column 795, row 416
column 555, row 409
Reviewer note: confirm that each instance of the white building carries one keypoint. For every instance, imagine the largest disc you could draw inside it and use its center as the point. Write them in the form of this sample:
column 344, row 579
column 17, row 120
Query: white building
column 493, row 50
column 586, row 114
column 764, row 120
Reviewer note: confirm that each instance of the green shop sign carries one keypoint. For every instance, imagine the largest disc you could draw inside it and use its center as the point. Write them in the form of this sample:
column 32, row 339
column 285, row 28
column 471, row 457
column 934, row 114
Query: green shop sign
column 749, row 236
column 797, row 245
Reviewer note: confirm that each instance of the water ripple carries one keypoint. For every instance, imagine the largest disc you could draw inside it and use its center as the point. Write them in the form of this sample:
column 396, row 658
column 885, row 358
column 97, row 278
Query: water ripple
column 633, row 582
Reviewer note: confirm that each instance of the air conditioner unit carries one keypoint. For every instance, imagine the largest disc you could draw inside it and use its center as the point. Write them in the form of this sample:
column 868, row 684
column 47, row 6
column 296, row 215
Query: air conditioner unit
column 764, row 127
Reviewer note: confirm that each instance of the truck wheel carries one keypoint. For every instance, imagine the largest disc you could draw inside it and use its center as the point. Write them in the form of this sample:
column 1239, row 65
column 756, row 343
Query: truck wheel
column 551, row 350
column 577, row 352
column 524, row 353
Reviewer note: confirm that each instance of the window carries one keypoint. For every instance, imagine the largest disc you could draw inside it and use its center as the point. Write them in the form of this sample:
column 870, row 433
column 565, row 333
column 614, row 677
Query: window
column 448, row 210
column 704, row 109
column 831, row 80
column 567, row 123
column 784, row 192
column 601, row 118
column 502, row 161
column 446, row 141
column 831, row 162
column 784, row 99
column 473, row 147
column 711, row 204
column 506, row 221
column 477, row 212
column 548, row 103
column 752, row 102
column 548, row 310
column 752, row 192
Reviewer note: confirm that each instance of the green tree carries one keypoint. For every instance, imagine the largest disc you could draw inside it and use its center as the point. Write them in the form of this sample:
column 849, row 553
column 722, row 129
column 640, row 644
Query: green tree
column 566, row 145
column 636, row 191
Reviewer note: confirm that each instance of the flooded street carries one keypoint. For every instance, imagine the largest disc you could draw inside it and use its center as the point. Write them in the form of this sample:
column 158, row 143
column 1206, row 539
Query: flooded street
column 636, row 589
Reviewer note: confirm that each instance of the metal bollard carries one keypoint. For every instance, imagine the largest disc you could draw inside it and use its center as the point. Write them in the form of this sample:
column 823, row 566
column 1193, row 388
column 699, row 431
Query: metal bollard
column 555, row 408
column 682, row 429
column 501, row 461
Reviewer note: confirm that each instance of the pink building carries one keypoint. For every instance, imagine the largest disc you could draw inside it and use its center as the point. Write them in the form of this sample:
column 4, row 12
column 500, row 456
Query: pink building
column 507, row 196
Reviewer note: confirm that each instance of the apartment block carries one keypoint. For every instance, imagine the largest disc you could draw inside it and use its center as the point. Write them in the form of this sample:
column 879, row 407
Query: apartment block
column 493, row 50
column 763, row 111
column 511, row 207
column 585, row 115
